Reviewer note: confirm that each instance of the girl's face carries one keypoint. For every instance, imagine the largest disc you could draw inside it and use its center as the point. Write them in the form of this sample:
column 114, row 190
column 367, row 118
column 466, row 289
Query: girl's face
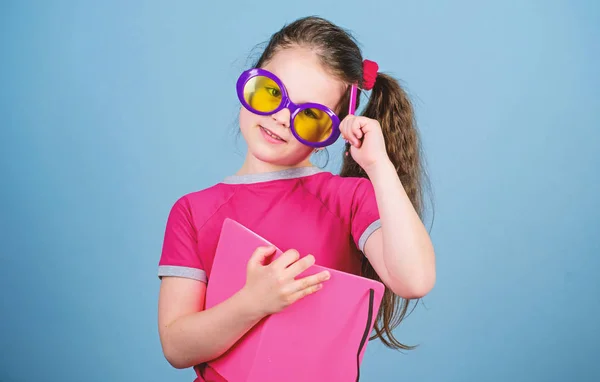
column 306, row 81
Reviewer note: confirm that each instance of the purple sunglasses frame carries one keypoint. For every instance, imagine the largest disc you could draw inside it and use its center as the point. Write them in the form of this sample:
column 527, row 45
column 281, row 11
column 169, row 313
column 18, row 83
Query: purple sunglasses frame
column 294, row 109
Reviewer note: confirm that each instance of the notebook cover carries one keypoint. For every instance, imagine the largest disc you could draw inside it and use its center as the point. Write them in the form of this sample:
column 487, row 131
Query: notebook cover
column 317, row 338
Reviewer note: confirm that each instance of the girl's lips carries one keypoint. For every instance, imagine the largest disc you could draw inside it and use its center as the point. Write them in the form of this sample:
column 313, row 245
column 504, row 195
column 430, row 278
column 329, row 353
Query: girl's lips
column 271, row 136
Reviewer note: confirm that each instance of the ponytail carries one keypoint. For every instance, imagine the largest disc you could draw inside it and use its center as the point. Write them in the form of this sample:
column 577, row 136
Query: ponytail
column 390, row 106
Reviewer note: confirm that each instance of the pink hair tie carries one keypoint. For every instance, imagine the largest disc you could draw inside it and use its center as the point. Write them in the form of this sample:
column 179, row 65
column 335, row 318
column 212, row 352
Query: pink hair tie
column 370, row 69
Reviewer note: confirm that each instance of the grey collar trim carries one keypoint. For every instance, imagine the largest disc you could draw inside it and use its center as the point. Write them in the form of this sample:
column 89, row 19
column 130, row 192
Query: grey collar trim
column 290, row 173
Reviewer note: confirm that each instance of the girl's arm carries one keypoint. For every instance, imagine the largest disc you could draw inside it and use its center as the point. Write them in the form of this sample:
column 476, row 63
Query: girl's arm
column 401, row 251
column 191, row 335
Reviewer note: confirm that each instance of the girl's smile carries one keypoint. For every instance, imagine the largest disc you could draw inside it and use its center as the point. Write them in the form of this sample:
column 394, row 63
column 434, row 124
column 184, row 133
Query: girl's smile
column 270, row 136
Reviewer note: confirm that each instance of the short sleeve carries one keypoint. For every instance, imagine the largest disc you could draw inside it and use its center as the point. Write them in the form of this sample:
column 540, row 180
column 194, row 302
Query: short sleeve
column 180, row 255
column 365, row 215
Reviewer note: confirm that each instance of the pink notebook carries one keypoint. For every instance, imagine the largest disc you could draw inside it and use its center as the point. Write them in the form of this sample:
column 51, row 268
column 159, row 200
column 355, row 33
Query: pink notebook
column 322, row 337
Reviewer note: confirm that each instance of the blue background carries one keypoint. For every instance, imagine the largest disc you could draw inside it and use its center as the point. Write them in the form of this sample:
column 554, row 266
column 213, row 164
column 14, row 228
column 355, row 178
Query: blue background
column 110, row 111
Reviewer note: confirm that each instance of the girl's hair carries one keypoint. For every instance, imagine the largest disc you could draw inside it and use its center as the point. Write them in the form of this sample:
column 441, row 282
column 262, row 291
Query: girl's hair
column 389, row 104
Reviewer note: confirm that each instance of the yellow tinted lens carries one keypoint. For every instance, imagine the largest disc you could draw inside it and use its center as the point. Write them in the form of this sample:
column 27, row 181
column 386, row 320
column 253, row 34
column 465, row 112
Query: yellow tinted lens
column 262, row 94
column 313, row 125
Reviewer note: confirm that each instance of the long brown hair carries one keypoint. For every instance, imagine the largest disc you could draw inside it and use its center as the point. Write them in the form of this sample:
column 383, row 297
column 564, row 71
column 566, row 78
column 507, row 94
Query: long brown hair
column 388, row 104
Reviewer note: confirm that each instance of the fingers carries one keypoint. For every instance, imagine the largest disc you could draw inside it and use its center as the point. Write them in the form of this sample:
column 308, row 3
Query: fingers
column 260, row 255
column 286, row 258
column 356, row 128
column 308, row 285
column 309, row 281
column 300, row 266
column 351, row 129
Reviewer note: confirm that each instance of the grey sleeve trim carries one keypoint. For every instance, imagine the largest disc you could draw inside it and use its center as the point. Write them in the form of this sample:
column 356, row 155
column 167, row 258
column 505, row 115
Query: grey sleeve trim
column 179, row 271
column 365, row 235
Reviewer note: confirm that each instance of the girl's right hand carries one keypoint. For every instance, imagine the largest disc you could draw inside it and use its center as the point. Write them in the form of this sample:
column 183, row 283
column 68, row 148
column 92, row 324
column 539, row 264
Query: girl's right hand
column 274, row 286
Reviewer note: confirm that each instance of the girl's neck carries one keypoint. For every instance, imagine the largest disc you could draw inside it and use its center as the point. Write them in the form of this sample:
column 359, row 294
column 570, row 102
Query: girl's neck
column 253, row 165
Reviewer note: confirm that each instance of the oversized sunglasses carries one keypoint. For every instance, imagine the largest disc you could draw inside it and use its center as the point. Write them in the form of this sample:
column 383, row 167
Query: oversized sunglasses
column 313, row 124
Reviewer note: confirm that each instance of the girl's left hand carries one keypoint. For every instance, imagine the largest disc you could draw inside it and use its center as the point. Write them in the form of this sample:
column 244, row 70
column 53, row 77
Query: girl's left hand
column 366, row 139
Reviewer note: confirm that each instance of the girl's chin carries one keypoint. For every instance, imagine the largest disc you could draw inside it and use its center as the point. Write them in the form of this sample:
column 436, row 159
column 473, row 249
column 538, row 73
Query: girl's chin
column 277, row 156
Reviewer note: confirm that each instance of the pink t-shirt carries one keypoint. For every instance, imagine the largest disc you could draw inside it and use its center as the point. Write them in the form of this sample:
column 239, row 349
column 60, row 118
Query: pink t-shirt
column 307, row 209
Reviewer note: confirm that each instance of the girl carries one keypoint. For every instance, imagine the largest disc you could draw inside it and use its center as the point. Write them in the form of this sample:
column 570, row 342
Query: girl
column 366, row 221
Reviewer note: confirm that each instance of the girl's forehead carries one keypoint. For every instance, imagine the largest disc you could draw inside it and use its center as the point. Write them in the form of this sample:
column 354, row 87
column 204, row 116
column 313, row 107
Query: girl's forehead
column 305, row 78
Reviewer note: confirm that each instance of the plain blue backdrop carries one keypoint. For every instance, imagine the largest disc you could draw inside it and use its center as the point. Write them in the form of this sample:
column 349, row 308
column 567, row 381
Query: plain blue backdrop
column 111, row 110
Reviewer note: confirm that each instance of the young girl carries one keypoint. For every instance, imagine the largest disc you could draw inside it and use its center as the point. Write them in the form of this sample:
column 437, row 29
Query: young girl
column 295, row 101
